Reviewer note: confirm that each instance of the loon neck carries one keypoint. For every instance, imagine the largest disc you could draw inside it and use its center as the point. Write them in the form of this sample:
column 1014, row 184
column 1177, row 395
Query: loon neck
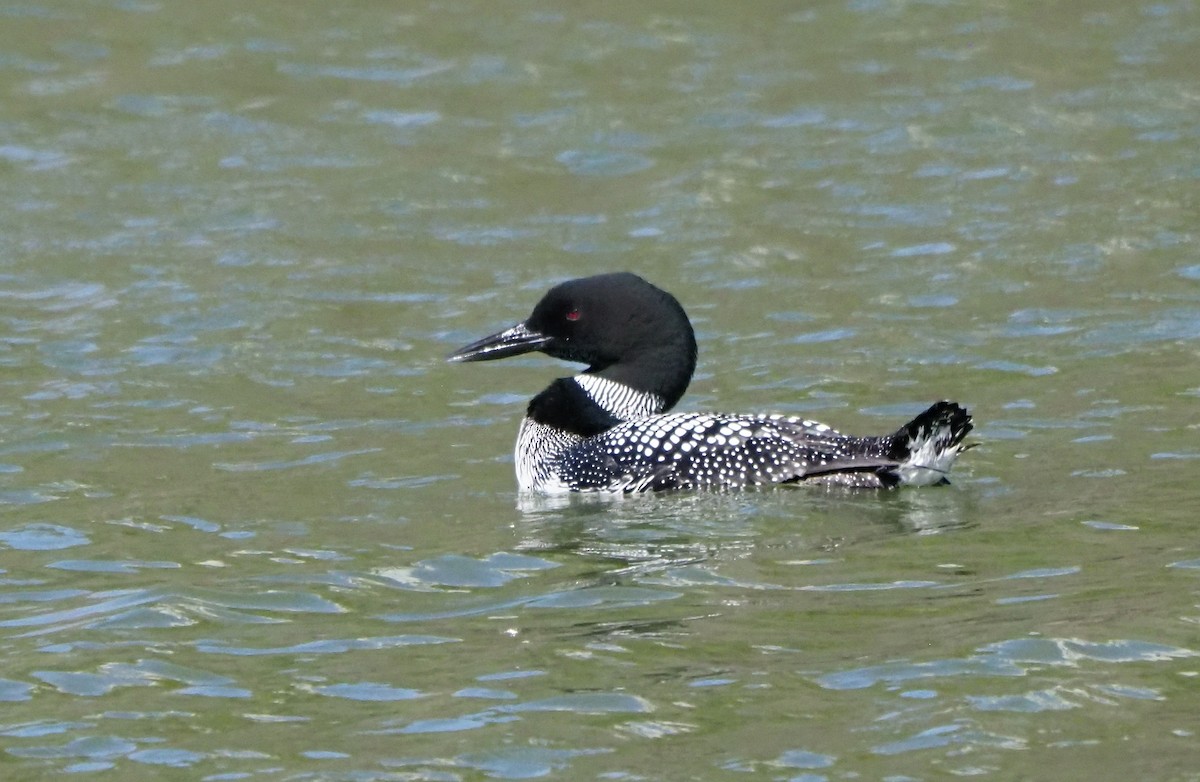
column 662, row 371
column 588, row 404
column 566, row 406
column 620, row 400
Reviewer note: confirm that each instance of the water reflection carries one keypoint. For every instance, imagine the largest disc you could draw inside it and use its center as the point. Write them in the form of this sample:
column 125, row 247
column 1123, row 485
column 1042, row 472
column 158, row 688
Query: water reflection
column 551, row 521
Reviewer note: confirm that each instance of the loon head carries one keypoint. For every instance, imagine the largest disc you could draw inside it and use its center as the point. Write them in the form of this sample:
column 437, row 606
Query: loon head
column 621, row 326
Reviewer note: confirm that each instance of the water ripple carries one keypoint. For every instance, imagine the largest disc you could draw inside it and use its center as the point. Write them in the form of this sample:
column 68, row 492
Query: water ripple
column 958, row 734
column 327, row 646
column 43, row 537
column 376, row 73
column 1006, row 658
column 368, row 691
column 279, row 464
column 14, row 691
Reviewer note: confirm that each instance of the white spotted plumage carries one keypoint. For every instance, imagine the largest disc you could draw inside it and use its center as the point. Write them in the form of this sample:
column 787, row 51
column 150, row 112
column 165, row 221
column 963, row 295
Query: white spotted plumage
column 706, row 450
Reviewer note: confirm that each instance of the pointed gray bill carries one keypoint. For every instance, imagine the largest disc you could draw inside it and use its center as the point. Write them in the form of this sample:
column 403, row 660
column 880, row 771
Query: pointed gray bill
column 510, row 342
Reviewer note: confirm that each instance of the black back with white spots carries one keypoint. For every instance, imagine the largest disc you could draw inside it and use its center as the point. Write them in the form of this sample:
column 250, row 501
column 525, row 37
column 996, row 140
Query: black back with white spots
column 707, row 451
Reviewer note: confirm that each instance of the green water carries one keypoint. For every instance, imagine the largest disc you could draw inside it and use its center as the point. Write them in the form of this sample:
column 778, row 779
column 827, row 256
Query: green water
column 254, row 527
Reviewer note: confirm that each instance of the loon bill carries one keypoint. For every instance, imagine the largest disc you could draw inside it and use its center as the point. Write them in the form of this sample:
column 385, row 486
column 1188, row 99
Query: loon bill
column 607, row 429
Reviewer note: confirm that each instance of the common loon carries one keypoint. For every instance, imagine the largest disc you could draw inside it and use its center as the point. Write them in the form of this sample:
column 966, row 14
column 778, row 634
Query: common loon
column 608, row 429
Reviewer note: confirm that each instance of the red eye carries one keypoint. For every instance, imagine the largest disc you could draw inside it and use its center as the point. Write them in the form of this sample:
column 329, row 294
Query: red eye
column 573, row 315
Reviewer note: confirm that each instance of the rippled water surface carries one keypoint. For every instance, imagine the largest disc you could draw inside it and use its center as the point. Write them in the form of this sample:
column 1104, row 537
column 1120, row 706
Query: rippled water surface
column 254, row 527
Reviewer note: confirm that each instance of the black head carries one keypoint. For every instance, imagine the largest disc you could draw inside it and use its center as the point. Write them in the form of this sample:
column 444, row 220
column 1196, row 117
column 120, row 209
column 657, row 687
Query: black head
column 618, row 324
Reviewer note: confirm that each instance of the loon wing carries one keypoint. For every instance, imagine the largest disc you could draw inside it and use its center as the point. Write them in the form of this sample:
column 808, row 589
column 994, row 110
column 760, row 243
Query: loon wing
column 702, row 450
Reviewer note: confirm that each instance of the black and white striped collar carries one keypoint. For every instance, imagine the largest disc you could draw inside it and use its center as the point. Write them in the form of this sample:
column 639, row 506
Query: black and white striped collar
column 618, row 399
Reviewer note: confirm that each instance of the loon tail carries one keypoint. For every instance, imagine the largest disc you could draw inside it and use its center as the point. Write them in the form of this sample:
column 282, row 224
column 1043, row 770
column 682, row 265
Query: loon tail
column 927, row 446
